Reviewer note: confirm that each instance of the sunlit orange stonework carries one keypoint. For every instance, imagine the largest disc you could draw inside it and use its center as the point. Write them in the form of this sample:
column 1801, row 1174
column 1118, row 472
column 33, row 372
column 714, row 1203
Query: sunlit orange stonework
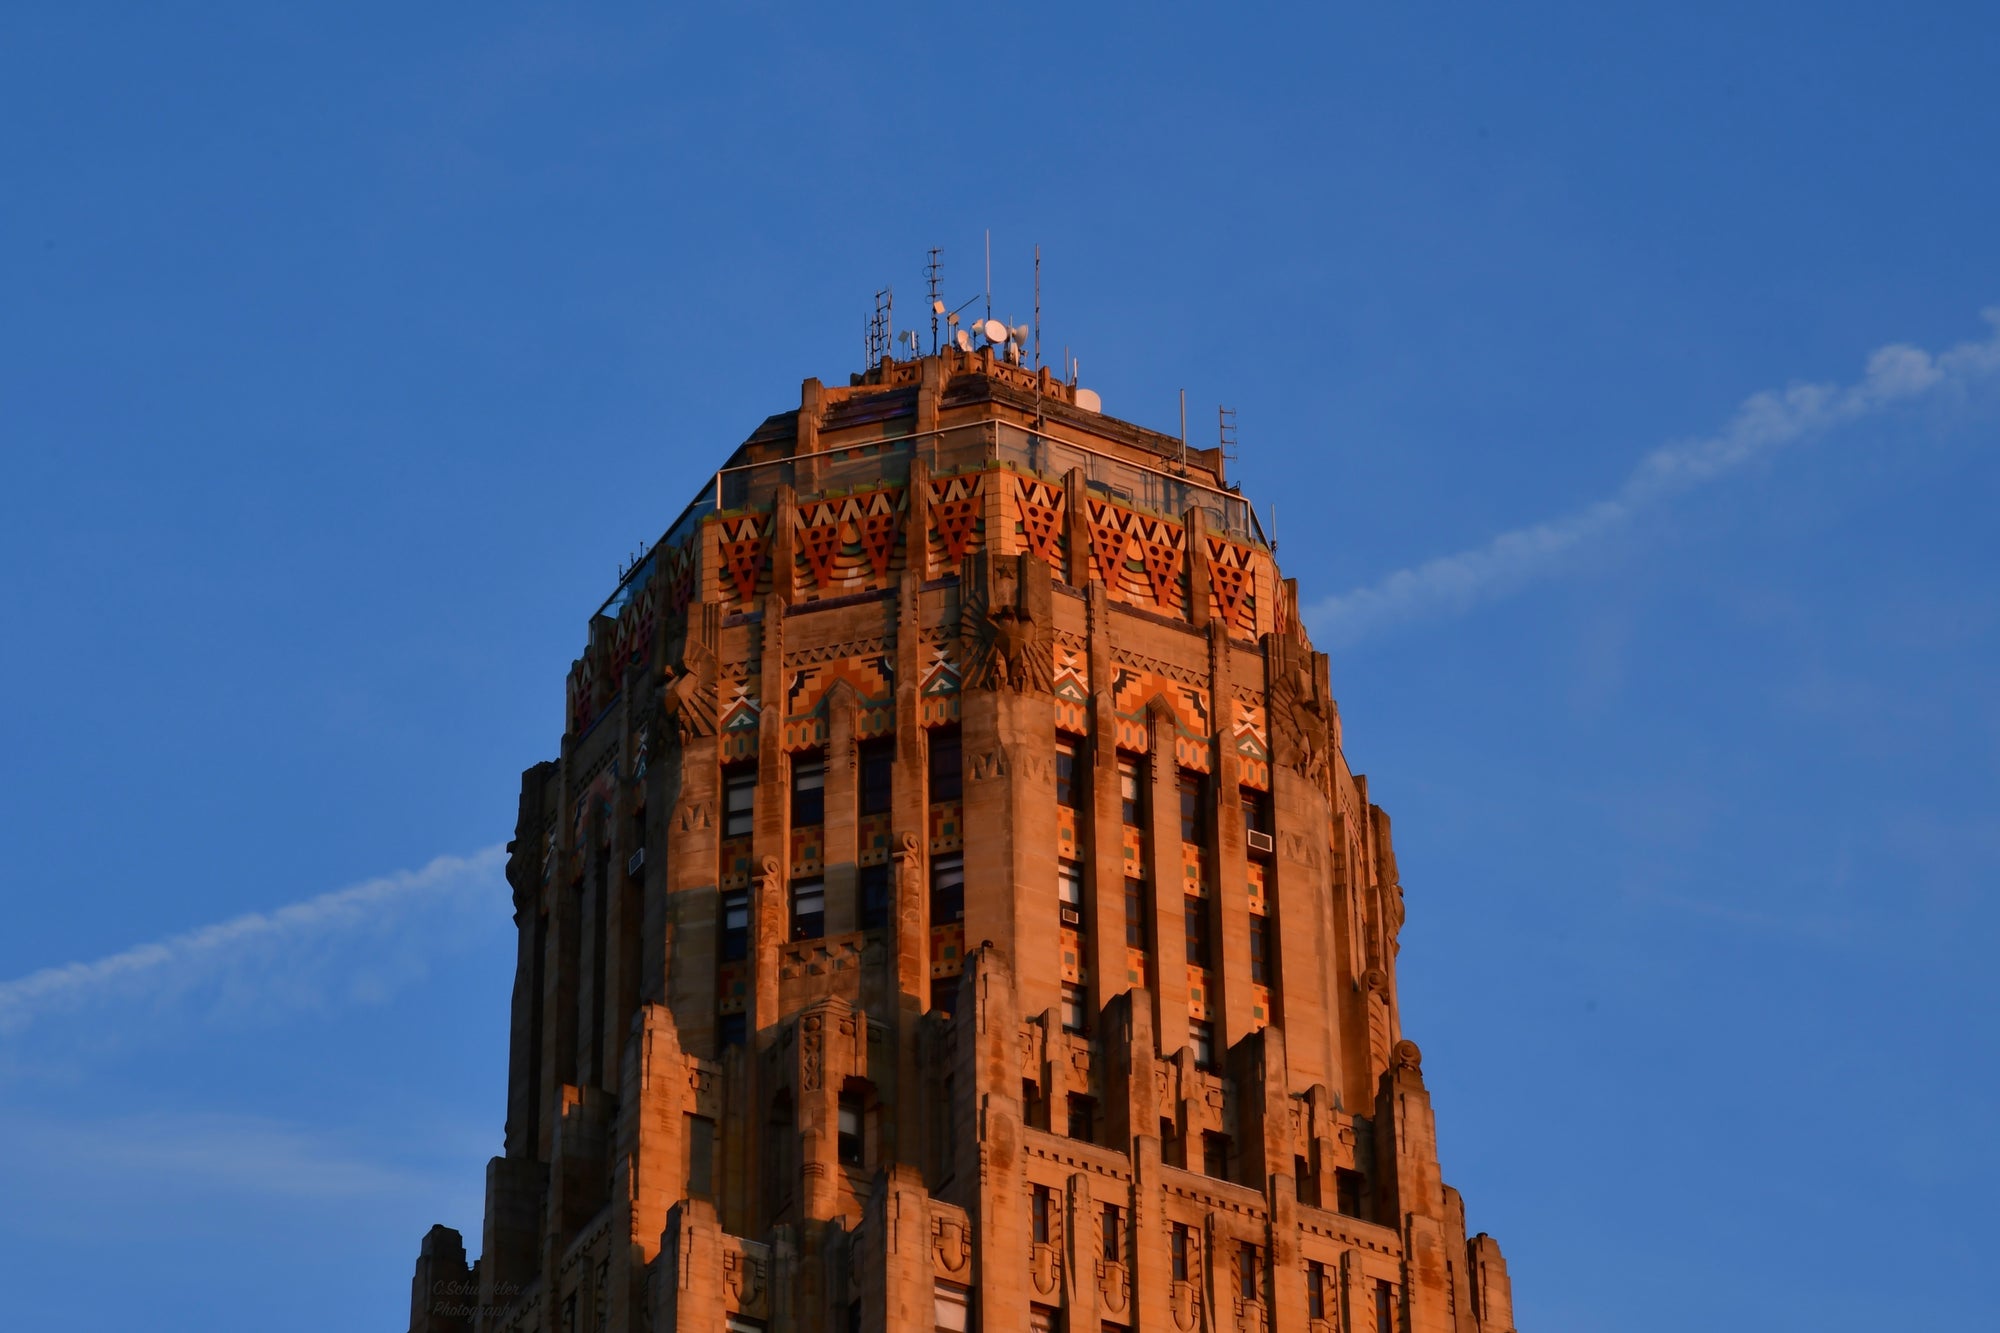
column 952, row 908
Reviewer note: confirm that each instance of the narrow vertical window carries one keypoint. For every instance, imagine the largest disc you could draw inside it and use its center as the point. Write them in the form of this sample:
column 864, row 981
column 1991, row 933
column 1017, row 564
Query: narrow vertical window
column 951, row 1308
column 1069, row 890
column 1177, row 1251
column 1385, row 1308
column 735, row 926
column 1196, row 915
column 1201, row 1036
column 1132, row 791
column 1082, row 1118
column 1306, row 1182
column 701, row 1157
column 1260, row 949
column 1248, row 1261
column 808, row 909
column 947, row 890
column 1170, row 1144
column 1069, row 775
column 1137, row 909
column 878, row 770
column 872, row 889
column 1315, row 1289
column 1075, row 1008
column 1194, row 807
column 1040, row 1206
column 947, row 768
column 849, row 1141
column 1215, row 1154
column 808, row 789
column 739, row 801
column 1113, row 1233
column 1347, row 1193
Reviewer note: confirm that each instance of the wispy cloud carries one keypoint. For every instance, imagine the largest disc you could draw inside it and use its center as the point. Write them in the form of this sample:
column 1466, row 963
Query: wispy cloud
column 1766, row 422
column 296, row 954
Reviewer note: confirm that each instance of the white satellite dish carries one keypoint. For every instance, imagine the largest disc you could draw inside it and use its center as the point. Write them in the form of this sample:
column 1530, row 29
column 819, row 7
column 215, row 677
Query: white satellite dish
column 964, row 341
column 1088, row 400
column 995, row 331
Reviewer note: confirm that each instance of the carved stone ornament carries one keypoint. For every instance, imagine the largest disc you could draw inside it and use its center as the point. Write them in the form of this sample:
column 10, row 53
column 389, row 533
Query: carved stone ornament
column 1407, row 1056
column 688, row 697
column 1010, row 644
column 812, row 1053
column 950, row 1243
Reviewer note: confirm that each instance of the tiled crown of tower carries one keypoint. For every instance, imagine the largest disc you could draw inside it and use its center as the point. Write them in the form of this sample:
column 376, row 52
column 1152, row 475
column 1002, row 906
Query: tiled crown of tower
column 952, row 908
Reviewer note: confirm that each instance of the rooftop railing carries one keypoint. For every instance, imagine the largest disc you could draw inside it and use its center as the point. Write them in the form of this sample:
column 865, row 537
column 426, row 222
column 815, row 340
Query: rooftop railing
column 957, row 449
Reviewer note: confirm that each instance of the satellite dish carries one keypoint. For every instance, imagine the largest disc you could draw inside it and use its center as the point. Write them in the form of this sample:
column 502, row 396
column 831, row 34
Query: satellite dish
column 1088, row 400
column 995, row 331
column 964, row 341
column 1020, row 334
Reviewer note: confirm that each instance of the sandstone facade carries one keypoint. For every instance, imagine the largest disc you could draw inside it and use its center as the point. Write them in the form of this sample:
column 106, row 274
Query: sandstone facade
column 952, row 908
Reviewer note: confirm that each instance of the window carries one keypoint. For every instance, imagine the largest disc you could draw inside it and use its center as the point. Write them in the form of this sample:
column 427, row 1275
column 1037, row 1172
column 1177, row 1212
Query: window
column 1041, row 1319
column 947, row 768
column 851, row 1146
column 1132, row 791
column 1177, row 1251
column 872, row 888
column 1385, row 1308
column 1249, row 1259
column 1347, row 1192
column 1260, row 949
column 1215, row 1154
column 1194, row 807
column 953, row 1308
column 1198, row 952
column 1307, row 1183
column 1075, row 1008
column 740, row 1324
column 1040, row 1204
column 878, row 768
column 1256, row 811
column 1113, row 1232
column 1201, row 1036
column 1069, row 889
column 1033, row 1113
column 1170, row 1144
column 1082, row 1117
column 1315, row 1289
column 1069, row 775
column 739, row 802
column 808, row 789
column 701, row 1157
column 808, row 909
column 735, row 925
column 731, row 1030
column 1136, row 912
column 947, row 890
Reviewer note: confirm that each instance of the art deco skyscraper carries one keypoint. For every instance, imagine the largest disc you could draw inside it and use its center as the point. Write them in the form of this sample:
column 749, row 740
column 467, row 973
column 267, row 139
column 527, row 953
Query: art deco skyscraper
column 952, row 908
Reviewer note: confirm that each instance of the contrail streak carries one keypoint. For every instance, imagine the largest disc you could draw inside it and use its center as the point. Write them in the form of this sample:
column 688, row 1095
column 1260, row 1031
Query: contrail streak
column 1767, row 421
column 274, row 940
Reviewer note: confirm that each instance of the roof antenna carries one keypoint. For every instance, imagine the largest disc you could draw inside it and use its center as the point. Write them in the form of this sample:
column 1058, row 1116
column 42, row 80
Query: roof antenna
column 1183, row 430
column 1038, row 307
column 1225, row 429
column 932, row 271
column 989, row 273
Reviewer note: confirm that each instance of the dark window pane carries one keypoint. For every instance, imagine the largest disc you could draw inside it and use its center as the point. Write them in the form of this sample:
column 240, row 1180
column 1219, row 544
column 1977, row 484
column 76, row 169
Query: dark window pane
column 1135, row 913
column 1260, row 949
column 1197, row 931
column 808, row 909
column 739, row 800
column 878, row 767
column 947, row 890
column 873, row 890
column 947, row 769
column 735, row 926
column 1069, row 774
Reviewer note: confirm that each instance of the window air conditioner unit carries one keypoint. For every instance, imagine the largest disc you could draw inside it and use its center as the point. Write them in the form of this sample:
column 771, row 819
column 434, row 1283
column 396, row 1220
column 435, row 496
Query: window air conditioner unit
column 1071, row 917
column 638, row 859
column 1259, row 842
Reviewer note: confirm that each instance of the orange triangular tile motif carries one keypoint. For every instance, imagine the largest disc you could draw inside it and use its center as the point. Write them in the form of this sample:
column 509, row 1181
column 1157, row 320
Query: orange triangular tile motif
column 878, row 541
column 1107, row 547
column 820, row 545
column 1040, row 506
column 1163, row 568
column 955, row 521
column 743, row 557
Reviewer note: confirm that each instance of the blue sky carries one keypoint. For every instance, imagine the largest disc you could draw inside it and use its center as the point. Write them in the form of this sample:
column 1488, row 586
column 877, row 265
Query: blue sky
column 343, row 356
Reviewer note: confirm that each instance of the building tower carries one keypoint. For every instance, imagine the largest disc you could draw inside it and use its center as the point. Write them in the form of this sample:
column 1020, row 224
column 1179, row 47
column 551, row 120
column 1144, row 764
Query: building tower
column 952, row 909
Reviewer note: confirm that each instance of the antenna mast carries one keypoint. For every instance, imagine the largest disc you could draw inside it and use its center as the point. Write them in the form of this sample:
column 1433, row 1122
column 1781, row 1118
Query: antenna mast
column 989, row 273
column 1183, row 430
column 1225, row 429
column 932, row 271
column 1038, row 307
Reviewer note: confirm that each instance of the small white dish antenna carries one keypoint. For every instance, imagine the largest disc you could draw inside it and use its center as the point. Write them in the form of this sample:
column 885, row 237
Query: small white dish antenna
column 1088, row 400
column 995, row 331
column 1019, row 333
column 964, row 341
